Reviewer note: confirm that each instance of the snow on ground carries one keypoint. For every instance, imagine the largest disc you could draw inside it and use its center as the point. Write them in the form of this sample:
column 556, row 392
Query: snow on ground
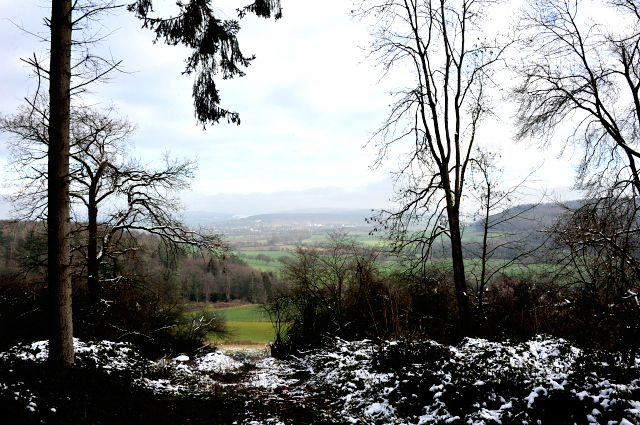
column 477, row 382
column 105, row 355
column 218, row 362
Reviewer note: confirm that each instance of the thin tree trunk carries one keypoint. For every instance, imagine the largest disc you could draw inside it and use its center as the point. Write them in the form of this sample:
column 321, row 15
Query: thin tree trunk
column 93, row 262
column 61, row 354
column 483, row 272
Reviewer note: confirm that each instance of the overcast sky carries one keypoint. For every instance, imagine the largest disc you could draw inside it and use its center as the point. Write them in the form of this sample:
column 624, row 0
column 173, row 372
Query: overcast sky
column 308, row 104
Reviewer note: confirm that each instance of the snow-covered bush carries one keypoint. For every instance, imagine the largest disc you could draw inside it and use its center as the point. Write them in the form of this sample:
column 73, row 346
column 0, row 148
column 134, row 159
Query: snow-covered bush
column 544, row 380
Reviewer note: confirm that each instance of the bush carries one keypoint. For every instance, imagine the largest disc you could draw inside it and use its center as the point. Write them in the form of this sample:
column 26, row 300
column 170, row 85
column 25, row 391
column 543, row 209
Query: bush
column 335, row 290
column 188, row 334
column 520, row 308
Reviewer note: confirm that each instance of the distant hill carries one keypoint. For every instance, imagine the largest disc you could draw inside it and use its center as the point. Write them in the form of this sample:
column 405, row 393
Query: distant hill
column 539, row 217
column 330, row 217
column 317, row 210
column 204, row 218
column 346, row 218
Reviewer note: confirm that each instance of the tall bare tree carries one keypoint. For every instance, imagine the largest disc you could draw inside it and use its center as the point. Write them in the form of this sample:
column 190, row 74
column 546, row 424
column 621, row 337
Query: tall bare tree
column 437, row 115
column 580, row 72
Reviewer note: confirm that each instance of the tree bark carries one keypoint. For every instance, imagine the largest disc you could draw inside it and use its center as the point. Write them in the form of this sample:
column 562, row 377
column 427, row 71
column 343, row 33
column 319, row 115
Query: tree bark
column 457, row 260
column 93, row 261
column 61, row 353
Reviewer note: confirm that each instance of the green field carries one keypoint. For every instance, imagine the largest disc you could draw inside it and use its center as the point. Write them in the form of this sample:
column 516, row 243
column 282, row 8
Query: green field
column 273, row 254
column 473, row 266
column 274, row 266
column 263, row 267
column 248, row 333
column 246, row 313
column 248, row 324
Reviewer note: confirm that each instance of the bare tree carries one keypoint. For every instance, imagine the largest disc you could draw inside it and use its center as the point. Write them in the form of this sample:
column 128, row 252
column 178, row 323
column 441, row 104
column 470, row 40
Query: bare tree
column 439, row 113
column 580, row 72
column 110, row 192
column 72, row 68
column 600, row 246
column 510, row 231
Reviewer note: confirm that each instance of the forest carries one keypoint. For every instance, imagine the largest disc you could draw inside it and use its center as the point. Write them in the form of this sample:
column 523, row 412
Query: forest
column 472, row 298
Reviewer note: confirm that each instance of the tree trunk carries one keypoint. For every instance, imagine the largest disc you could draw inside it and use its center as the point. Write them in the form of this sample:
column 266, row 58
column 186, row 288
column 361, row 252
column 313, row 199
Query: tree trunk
column 484, row 260
column 457, row 260
column 61, row 354
column 93, row 262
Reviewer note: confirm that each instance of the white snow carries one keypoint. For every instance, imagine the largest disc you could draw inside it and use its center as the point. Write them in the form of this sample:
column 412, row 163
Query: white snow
column 378, row 409
column 345, row 376
column 218, row 362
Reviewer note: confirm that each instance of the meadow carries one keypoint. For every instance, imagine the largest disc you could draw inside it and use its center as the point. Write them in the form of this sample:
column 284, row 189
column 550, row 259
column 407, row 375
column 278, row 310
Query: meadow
column 245, row 313
column 263, row 267
column 248, row 333
column 248, row 325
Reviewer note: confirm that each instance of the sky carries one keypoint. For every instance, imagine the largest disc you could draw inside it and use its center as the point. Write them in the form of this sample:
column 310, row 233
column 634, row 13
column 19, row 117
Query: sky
column 309, row 104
